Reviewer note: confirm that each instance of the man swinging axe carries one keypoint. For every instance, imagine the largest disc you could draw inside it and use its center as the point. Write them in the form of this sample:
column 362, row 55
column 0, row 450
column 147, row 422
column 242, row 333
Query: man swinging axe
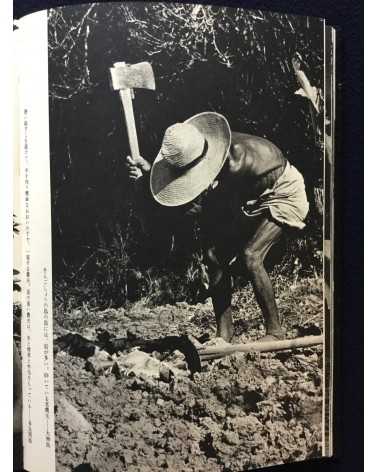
column 247, row 194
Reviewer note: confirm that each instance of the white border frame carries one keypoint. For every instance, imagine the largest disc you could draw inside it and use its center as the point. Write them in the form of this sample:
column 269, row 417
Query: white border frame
column 36, row 265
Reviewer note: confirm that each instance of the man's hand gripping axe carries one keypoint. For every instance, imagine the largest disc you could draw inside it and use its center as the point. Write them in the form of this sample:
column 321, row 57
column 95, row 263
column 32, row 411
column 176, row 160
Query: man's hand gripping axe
column 124, row 78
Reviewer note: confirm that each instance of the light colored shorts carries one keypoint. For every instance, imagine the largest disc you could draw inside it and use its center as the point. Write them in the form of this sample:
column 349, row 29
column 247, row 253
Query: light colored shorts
column 286, row 200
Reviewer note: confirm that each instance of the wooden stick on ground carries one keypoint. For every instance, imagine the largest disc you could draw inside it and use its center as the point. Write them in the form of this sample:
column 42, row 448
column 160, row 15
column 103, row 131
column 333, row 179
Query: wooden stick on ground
column 216, row 352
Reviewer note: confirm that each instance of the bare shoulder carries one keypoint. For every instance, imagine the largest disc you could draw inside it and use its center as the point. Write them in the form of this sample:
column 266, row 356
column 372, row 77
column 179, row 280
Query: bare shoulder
column 254, row 143
column 259, row 154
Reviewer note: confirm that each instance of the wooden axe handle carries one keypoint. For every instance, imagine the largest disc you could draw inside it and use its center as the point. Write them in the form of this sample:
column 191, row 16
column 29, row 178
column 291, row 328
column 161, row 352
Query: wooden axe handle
column 127, row 103
column 215, row 352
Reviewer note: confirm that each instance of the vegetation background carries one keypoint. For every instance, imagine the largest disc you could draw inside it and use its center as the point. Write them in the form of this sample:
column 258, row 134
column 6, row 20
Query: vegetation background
column 234, row 61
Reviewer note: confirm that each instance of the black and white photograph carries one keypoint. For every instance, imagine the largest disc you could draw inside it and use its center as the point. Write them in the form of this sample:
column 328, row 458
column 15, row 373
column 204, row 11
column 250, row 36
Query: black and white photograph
column 191, row 156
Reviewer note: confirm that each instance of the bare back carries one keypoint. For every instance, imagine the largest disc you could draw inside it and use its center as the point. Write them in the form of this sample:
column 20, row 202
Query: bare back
column 258, row 155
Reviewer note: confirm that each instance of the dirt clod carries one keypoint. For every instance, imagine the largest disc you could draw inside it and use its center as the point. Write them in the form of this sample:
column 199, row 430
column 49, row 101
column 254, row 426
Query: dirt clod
column 240, row 412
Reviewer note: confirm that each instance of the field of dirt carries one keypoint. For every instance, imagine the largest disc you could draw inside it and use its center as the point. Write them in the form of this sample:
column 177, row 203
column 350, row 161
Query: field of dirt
column 145, row 412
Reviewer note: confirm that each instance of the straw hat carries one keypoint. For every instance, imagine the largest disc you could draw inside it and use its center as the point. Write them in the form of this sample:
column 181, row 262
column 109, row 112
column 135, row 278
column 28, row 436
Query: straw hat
column 191, row 156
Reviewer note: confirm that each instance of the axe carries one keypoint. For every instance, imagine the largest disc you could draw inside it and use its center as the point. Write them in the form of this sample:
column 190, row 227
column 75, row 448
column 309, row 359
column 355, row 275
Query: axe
column 125, row 78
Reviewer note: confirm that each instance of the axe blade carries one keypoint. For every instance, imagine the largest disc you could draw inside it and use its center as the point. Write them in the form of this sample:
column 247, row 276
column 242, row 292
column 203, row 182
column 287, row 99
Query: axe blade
column 130, row 76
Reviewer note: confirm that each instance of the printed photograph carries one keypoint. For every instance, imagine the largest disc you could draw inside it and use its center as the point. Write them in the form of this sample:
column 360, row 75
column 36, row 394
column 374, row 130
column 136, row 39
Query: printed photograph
column 187, row 194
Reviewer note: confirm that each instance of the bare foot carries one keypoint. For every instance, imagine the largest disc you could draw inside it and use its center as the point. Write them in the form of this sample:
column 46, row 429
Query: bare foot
column 272, row 337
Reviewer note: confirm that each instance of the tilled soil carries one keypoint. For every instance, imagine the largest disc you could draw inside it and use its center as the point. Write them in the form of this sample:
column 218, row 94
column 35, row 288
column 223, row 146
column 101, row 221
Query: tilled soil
column 242, row 412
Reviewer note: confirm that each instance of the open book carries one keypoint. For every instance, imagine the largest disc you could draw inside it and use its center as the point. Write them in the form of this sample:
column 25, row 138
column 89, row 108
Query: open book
column 175, row 215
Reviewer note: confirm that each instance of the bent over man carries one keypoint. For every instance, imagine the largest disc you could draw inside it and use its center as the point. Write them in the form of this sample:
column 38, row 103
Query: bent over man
column 247, row 193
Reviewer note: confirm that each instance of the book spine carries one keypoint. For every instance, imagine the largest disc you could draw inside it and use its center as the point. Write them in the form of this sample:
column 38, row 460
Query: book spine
column 328, row 239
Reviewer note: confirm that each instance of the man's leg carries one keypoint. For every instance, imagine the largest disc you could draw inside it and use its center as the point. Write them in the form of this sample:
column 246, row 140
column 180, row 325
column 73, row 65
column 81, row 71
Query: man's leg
column 255, row 250
column 221, row 293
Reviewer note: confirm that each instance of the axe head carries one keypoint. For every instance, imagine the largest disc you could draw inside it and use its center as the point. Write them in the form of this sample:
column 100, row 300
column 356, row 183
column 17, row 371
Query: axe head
column 130, row 76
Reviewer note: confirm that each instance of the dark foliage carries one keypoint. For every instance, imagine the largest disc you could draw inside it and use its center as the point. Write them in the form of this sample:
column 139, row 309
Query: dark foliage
column 233, row 61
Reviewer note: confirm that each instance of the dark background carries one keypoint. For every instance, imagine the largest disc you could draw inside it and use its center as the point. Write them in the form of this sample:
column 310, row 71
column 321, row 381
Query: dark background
column 240, row 66
column 347, row 17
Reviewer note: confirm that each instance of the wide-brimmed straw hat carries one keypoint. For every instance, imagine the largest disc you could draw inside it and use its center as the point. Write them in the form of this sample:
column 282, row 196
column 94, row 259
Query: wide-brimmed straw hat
column 191, row 156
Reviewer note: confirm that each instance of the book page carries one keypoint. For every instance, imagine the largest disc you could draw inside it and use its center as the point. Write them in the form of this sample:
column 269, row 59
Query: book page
column 35, row 229
column 179, row 218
